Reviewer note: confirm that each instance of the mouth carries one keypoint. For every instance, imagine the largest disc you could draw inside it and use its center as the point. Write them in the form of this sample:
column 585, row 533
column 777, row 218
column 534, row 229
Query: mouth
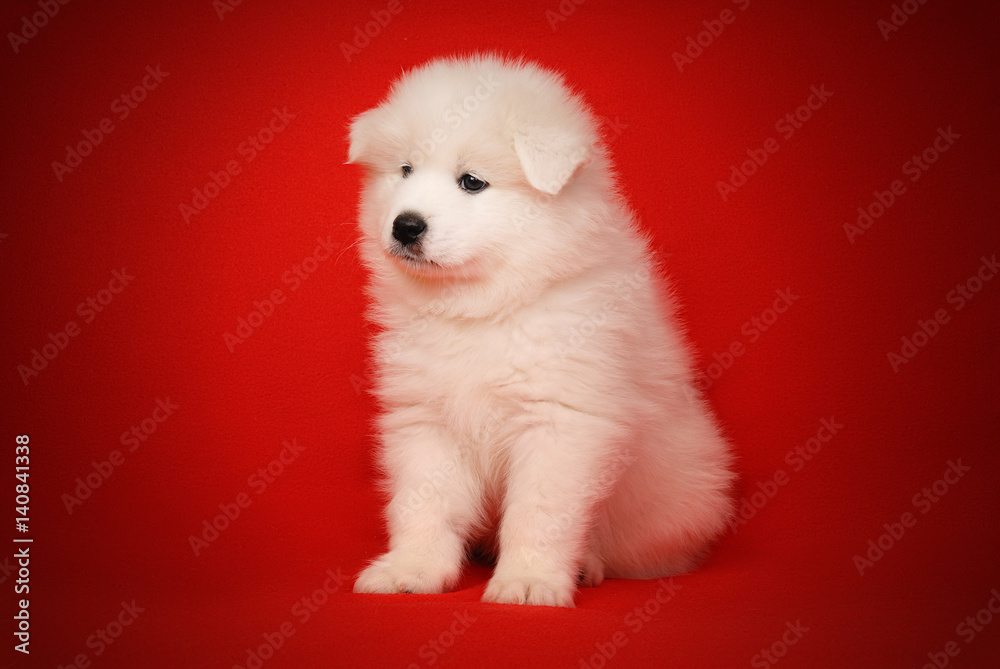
column 414, row 262
column 412, row 258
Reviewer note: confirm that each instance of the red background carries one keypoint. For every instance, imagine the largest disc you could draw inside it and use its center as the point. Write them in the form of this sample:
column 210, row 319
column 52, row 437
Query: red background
column 300, row 374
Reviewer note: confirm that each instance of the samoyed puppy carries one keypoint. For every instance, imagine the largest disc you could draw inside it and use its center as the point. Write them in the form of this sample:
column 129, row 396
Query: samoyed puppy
column 537, row 397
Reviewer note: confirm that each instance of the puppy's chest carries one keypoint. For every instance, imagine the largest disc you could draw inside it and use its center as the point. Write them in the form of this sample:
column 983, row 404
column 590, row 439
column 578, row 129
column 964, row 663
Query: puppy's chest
column 457, row 358
column 471, row 373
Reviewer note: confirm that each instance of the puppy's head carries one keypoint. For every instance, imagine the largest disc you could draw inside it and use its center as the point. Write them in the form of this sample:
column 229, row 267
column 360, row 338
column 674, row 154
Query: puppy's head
column 476, row 170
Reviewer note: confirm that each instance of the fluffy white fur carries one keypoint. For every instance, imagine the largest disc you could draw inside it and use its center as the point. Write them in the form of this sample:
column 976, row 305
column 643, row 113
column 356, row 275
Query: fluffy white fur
column 536, row 390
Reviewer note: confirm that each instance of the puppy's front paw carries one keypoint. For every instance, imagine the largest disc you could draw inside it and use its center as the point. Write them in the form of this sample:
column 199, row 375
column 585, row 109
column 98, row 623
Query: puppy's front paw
column 397, row 572
column 533, row 590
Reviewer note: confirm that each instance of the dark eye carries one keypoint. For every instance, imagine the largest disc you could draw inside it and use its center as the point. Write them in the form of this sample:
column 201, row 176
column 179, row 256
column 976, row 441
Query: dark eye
column 471, row 184
column 407, row 170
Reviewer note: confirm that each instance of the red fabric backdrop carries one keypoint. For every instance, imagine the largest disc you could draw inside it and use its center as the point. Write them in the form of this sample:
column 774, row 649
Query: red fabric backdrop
column 184, row 342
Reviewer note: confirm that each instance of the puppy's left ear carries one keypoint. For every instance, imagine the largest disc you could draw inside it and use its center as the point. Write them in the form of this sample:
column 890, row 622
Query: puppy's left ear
column 549, row 156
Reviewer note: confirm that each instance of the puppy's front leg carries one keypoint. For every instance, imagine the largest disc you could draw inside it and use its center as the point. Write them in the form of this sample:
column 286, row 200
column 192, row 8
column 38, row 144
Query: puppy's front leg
column 434, row 503
column 554, row 483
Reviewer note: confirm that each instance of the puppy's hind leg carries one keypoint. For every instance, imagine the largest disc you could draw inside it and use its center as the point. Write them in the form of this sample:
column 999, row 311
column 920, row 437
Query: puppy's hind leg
column 591, row 570
column 435, row 502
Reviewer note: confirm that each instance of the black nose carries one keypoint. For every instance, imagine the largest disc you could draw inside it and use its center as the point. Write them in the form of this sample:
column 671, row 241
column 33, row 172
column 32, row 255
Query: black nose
column 408, row 228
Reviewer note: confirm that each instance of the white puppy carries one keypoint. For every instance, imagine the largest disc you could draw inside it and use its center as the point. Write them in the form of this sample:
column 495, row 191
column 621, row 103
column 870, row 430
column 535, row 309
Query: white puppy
column 536, row 390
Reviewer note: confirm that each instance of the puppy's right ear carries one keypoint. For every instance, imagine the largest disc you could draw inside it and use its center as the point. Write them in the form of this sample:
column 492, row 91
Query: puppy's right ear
column 362, row 137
